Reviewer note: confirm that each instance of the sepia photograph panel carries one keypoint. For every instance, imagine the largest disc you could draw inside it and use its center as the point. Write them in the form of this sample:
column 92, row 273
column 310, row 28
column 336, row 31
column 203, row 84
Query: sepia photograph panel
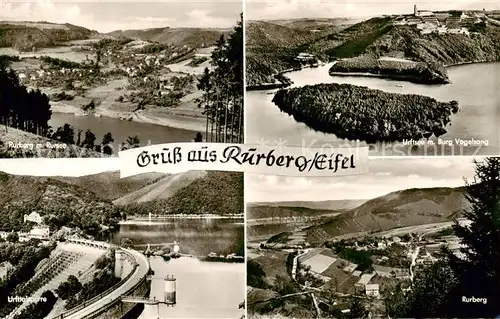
column 89, row 79
column 98, row 246
column 404, row 78
column 411, row 232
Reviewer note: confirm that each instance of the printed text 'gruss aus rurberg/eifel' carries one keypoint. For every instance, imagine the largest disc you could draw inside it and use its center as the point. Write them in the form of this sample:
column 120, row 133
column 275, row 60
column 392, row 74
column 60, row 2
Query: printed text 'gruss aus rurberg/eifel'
column 291, row 161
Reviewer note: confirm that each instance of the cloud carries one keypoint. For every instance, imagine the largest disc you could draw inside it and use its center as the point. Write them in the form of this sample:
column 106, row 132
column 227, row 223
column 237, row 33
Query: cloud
column 274, row 9
column 206, row 19
column 386, row 175
column 113, row 15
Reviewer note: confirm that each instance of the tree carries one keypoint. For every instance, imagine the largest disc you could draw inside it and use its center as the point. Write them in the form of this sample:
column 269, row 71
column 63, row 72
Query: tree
column 65, row 134
column 89, row 141
column 69, row 288
column 133, row 141
column 478, row 272
column 198, row 137
column 358, row 310
column 126, row 242
column 107, row 143
column 13, row 237
column 222, row 99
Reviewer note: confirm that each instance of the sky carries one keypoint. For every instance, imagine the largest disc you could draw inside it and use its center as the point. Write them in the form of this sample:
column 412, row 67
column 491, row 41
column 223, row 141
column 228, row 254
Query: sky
column 72, row 167
column 294, row 9
column 385, row 176
column 110, row 15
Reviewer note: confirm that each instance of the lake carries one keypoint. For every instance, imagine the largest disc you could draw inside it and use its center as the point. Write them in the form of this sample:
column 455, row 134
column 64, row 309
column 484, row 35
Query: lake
column 121, row 129
column 204, row 289
column 474, row 86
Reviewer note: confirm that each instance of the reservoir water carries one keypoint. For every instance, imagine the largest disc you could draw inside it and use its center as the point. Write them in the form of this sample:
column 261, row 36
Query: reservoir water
column 204, row 289
column 475, row 86
column 122, row 129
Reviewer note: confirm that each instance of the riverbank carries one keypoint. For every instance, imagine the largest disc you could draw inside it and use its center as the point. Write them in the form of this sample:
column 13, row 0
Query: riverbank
column 359, row 113
column 283, row 81
column 145, row 219
column 222, row 259
column 395, row 69
column 149, row 116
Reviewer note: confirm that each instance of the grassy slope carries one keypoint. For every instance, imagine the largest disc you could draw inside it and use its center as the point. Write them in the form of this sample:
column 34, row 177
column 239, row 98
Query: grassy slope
column 110, row 186
column 193, row 37
column 28, row 35
column 162, row 188
column 403, row 208
column 216, row 193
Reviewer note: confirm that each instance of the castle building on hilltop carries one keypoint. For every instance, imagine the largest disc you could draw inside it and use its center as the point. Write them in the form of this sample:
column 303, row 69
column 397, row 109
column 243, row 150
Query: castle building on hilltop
column 421, row 13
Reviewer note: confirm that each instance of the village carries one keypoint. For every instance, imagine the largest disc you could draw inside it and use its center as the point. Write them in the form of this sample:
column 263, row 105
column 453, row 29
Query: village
column 137, row 71
column 366, row 267
column 453, row 22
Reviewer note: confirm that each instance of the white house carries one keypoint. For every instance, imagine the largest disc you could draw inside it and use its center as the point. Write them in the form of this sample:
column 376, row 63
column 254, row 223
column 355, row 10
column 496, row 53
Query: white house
column 424, row 13
column 33, row 217
column 372, row 290
column 304, row 56
column 40, row 232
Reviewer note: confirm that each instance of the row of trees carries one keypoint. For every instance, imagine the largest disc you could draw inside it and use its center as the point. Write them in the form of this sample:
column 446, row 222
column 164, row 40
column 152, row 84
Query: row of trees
column 20, row 108
column 222, row 89
column 66, row 134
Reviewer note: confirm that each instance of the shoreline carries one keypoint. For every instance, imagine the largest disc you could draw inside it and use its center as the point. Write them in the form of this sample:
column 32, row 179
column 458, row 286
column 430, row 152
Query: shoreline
column 266, row 86
column 393, row 77
column 279, row 84
column 145, row 219
column 182, row 122
column 469, row 62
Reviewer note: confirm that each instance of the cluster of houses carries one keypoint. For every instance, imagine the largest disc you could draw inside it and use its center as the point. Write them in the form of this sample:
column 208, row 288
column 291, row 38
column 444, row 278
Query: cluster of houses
column 342, row 276
column 31, row 75
column 38, row 231
column 439, row 22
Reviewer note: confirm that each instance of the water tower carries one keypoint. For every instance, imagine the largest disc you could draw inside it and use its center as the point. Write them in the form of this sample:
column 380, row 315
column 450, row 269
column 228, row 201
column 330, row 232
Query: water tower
column 120, row 261
column 170, row 290
column 177, row 248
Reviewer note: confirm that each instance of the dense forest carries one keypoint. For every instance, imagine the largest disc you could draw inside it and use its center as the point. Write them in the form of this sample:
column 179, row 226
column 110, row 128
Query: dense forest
column 222, row 88
column 26, row 110
column 24, row 257
column 359, row 113
column 60, row 204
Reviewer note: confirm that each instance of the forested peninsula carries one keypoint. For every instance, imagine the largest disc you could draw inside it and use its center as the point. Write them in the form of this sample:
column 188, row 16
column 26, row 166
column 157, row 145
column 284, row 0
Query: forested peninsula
column 359, row 113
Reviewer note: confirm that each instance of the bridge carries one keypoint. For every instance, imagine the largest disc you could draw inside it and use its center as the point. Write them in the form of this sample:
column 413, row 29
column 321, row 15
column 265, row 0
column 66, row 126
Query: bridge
column 144, row 300
column 91, row 243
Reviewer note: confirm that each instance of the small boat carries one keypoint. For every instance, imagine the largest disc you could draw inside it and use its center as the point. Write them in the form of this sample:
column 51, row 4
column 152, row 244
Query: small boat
column 400, row 85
